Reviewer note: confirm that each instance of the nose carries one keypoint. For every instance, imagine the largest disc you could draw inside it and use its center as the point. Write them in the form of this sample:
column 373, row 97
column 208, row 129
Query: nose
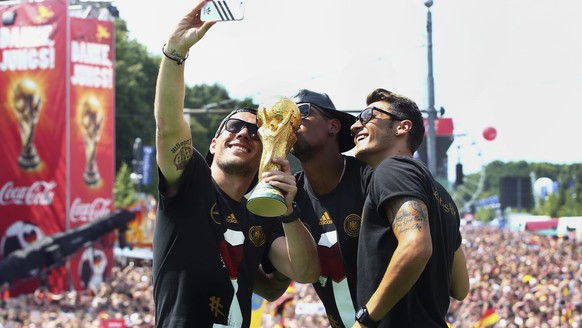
column 244, row 131
column 357, row 126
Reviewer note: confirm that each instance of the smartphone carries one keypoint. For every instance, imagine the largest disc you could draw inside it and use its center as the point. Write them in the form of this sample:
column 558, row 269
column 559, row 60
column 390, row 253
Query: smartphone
column 223, row 10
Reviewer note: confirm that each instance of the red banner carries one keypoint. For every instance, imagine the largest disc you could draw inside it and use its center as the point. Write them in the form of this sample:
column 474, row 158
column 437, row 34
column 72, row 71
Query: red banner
column 443, row 127
column 33, row 129
column 58, row 138
column 92, row 143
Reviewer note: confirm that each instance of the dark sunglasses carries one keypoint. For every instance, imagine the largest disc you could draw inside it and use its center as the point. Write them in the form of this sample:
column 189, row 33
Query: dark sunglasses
column 368, row 113
column 234, row 125
column 305, row 110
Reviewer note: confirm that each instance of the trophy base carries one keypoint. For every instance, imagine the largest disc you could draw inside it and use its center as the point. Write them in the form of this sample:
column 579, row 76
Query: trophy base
column 266, row 200
column 91, row 178
column 28, row 162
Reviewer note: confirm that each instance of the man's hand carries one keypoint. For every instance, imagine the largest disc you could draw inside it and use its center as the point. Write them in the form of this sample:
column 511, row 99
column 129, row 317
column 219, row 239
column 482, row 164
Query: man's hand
column 283, row 180
column 189, row 31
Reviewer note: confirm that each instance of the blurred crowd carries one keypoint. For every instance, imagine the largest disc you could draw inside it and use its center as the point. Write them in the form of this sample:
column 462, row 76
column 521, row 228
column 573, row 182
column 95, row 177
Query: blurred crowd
column 125, row 300
column 518, row 279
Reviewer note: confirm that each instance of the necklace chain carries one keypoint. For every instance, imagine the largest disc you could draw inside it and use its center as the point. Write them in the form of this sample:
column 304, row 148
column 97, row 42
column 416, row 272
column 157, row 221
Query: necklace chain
column 343, row 171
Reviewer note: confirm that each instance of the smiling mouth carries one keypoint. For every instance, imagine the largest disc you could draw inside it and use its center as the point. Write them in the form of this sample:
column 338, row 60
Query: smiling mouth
column 240, row 148
column 361, row 137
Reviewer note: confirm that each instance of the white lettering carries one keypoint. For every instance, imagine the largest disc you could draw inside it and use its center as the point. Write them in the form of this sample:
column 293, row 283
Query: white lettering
column 90, row 53
column 92, row 76
column 39, row 193
column 26, row 36
column 28, row 59
column 88, row 212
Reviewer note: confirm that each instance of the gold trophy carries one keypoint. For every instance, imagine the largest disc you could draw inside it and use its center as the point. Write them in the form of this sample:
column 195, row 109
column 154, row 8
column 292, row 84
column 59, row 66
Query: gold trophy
column 26, row 102
column 91, row 126
column 277, row 120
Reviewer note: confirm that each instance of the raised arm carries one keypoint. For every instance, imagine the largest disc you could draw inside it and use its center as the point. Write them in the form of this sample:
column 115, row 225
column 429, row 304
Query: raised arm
column 173, row 137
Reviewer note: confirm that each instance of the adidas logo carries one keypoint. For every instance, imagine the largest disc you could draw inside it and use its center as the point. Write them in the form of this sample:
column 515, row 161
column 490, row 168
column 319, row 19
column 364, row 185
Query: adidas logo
column 325, row 219
column 231, row 219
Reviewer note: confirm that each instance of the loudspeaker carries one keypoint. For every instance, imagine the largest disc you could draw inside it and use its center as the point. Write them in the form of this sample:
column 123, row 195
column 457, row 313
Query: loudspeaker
column 515, row 192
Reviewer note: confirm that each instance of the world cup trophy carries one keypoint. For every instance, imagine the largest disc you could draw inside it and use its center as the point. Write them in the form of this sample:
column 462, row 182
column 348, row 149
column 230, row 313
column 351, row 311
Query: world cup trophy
column 278, row 119
column 91, row 127
column 27, row 101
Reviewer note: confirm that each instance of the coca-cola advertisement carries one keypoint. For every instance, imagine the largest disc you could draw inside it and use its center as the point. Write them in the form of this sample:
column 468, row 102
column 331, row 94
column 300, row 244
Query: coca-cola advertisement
column 92, row 136
column 33, row 123
column 57, row 128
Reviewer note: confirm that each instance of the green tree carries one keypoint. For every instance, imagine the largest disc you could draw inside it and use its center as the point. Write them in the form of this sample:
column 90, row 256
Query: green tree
column 135, row 80
column 563, row 202
column 124, row 188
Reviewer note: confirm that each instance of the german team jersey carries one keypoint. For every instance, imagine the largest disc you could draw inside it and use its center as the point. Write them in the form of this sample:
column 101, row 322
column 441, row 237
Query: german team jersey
column 207, row 249
column 334, row 222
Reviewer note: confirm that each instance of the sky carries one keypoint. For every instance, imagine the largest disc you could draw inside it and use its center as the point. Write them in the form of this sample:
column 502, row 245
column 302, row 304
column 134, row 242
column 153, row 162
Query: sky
column 513, row 65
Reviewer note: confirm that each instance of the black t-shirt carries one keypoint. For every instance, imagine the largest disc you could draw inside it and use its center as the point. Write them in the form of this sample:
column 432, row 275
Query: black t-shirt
column 334, row 222
column 207, row 247
column 426, row 304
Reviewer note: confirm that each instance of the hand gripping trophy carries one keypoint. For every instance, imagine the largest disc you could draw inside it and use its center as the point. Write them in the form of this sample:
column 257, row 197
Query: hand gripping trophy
column 278, row 120
column 91, row 127
column 26, row 103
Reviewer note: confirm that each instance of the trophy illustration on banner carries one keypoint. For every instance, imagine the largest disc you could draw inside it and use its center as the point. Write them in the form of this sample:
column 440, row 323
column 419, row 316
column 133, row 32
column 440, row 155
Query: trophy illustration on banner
column 26, row 101
column 278, row 119
column 91, row 127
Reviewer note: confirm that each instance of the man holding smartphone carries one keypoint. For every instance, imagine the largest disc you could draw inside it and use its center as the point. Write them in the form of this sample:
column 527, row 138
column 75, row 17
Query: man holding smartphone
column 207, row 246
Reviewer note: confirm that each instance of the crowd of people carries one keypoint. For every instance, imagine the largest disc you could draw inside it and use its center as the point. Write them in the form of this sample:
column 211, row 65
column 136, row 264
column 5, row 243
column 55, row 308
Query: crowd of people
column 518, row 279
column 124, row 300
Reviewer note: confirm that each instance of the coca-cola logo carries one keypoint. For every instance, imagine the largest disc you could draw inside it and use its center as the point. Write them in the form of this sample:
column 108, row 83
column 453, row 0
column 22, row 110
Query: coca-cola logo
column 87, row 212
column 38, row 193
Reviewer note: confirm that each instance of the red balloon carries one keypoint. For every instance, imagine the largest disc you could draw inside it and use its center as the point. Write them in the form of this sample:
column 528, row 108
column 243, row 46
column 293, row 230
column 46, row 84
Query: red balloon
column 489, row 133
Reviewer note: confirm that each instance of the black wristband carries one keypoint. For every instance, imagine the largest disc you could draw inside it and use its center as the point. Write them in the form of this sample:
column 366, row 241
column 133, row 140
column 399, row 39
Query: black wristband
column 174, row 56
column 363, row 317
column 294, row 216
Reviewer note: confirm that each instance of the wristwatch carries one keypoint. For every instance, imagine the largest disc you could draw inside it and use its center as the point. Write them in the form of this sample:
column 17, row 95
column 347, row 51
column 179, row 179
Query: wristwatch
column 363, row 317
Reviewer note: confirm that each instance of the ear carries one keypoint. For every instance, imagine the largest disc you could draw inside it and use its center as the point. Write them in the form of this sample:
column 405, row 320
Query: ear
column 334, row 126
column 404, row 127
column 212, row 148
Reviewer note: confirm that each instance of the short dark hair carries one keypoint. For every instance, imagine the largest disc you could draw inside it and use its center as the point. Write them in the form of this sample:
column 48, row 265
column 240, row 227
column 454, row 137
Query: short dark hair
column 209, row 155
column 405, row 108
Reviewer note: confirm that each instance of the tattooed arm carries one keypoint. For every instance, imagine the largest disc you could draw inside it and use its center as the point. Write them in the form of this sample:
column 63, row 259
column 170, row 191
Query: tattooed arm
column 173, row 136
column 409, row 220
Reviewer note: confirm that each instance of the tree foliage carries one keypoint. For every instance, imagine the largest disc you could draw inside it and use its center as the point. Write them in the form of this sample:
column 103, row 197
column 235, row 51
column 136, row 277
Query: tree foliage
column 563, row 200
column 124, row 188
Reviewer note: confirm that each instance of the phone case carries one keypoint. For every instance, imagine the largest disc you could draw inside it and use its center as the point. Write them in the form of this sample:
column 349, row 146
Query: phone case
column 225, row 10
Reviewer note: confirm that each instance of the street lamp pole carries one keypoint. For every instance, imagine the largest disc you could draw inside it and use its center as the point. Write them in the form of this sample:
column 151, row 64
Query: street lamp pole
column 431, row 135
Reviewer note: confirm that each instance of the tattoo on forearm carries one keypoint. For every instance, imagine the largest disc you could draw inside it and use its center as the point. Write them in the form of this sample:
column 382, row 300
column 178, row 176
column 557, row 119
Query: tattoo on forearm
column 410, row 214
column 183, row 153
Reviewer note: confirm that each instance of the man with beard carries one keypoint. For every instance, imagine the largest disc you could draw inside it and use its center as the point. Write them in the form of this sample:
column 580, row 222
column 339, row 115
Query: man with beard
column 331, row 189
column 207, row 246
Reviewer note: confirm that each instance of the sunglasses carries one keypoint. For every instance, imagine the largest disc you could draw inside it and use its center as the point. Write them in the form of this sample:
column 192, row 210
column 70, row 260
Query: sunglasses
column 368, row 113
column 234, row 125
column 305, row 110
